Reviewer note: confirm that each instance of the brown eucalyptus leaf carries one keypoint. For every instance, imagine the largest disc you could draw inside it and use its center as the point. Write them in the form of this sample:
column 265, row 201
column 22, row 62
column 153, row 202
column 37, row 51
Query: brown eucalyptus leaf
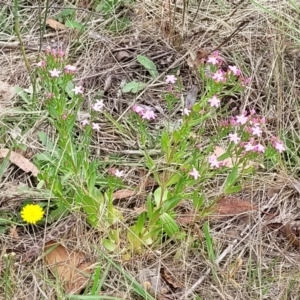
column 227, row 207
column 55, row 25
column 123, row 193
column 70, row 267
column 19, row 160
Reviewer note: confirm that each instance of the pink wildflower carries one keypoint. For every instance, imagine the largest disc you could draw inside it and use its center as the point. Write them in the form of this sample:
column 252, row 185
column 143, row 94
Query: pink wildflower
column 213, row 161
column 233, row 137
column 98, row 106
column 148, row 114
column 77, row 90
column 171, row 79
column 219, row 76
column 70, row 69
column 256, row 130
column 234, row 70
column 233, row 122
column 259, row 148
column 41, row 64
column 54, row 73
column 249, row 147
column 186, row 111
column 96, row 126
column 138, row 109
column 214, row 101
column 279, row 146
column 242, row 119
column 85, row 122
column 214, row 58
column 194, row 173
column 118, row 173
column 60, row 53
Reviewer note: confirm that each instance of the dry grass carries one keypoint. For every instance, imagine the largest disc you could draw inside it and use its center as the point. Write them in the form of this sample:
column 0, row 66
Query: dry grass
column 260, row 264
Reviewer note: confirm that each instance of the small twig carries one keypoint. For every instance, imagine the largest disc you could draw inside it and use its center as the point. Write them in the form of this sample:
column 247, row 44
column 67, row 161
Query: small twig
column 201, row 279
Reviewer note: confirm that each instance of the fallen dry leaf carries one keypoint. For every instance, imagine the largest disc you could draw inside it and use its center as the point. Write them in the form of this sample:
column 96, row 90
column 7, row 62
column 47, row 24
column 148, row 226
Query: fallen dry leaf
column 7, row 91
column 55, row 25
column 69, row 266
column 227, row 207
column 290, row 234
column 123, row 55
column 170, row 279
column 124, row 193
column 20, row 161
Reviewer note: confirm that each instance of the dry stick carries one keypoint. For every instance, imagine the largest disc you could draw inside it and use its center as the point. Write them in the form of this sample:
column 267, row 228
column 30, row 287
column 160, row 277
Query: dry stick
column 217, row 261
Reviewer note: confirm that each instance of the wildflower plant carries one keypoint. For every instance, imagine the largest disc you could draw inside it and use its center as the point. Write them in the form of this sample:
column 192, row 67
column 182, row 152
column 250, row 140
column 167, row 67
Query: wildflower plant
column 189, row 158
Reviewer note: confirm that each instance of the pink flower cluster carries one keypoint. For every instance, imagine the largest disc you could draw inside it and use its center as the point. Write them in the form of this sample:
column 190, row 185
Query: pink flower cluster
column 145, row 113
column 219, row 75
column 249, row 124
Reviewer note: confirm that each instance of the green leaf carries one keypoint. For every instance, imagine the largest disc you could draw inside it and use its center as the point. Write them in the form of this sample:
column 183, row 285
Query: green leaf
column 109, row 245
column 74, row 24
column 20, row 92
column 148, row 64
column 140, row 223
column 133, row 87
column 133, row 238
column 4, row 164
column 231, row 178
column 171, row 203
column 233, row 189
column 209, row 244
column 169, row 224
column 150, row 206
column 165, row 143
column 173, row 179
column 160, row 196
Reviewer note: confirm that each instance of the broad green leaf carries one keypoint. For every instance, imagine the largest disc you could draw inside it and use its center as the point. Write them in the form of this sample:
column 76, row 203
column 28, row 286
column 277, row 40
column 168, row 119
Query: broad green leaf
column 173, row 179
column 133, row 87
column 160, row 196
column 169, row 224
column 148, row 64
column 171, row 203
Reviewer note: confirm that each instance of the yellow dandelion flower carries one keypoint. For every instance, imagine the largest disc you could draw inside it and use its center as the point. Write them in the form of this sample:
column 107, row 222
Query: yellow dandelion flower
column 31, row 213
